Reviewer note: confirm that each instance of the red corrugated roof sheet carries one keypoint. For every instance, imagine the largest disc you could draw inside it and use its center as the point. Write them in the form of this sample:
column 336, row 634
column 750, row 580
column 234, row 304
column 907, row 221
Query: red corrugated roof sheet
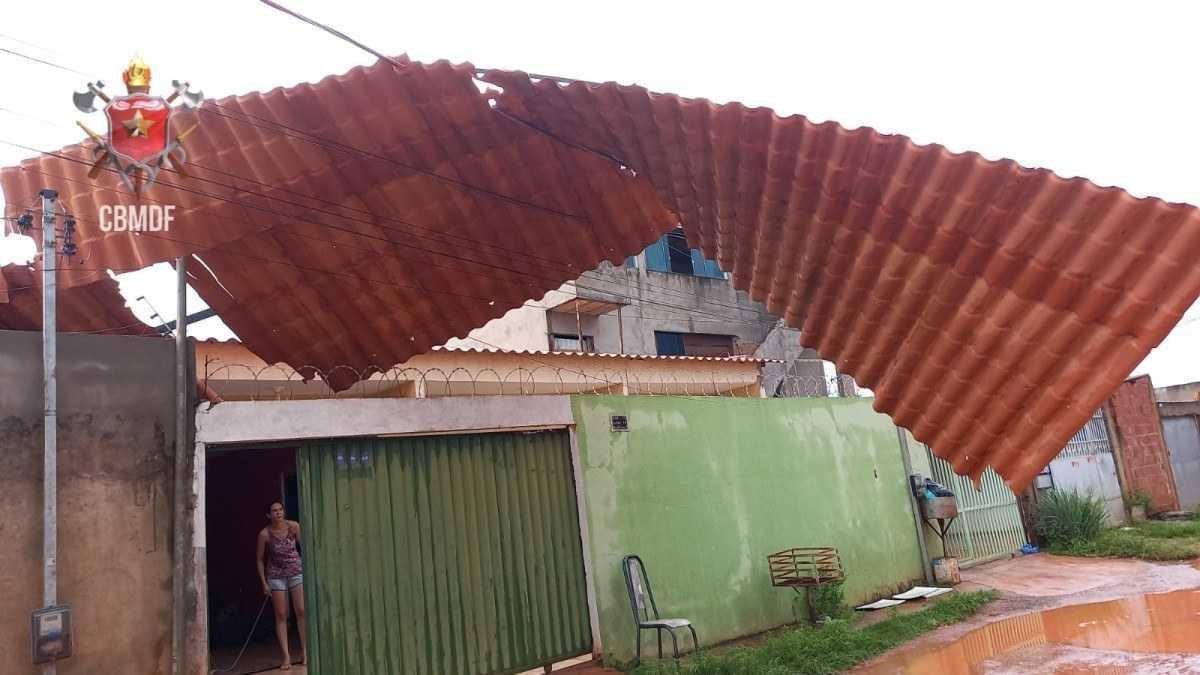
column 95, row 306
column 990, row 307
column 376, row 214
column 365, row 218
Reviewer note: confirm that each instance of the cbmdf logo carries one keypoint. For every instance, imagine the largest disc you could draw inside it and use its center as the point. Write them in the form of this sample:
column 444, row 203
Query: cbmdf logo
column 140, row 140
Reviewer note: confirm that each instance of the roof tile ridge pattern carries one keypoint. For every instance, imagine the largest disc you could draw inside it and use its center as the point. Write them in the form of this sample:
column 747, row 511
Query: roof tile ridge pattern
column 930, row 276
column 244, row 118
column 417, row 145
column 96, row 306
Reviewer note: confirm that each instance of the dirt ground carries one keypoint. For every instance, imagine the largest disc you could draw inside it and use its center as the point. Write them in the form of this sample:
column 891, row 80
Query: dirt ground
column 1046, row 640
column 1031, row 588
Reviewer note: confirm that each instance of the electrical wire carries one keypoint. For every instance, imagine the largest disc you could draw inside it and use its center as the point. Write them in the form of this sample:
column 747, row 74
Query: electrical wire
column 555, row 281
column 375, row 217
column 673, row 307
column 318, row 140
column 330, row 144
column 358, row 277
column 41, row 61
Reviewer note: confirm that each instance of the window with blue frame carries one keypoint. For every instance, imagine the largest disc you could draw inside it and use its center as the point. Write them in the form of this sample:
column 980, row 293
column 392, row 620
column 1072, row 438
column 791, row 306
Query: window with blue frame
column 668, row 343
column 672, row 254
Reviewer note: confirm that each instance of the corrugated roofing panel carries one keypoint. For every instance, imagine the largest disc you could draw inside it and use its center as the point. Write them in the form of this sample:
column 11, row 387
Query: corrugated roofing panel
column 373, row 215
column 93, row 306
column 990, row 307
column 365, row 218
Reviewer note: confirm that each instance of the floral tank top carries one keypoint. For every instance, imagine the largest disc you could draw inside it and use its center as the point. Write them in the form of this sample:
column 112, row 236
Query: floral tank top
column 283, row 560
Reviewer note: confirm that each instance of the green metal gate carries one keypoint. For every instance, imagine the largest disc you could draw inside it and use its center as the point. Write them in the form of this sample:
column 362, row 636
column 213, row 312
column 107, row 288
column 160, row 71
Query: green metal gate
column 989, row 521
column 445, row 554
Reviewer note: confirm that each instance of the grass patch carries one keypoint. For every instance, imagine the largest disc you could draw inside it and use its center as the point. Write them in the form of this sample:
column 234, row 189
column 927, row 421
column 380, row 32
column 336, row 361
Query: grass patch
column 1065, row 518
column 1163, row 540
column 829, row 648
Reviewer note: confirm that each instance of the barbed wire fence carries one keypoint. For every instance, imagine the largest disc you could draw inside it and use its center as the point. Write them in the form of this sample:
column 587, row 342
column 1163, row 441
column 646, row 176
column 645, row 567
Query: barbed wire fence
column 235, row 381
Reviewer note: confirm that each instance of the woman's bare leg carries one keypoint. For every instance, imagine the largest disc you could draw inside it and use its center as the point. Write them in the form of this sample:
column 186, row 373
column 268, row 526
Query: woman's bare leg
column 279, row 600
column 298, row 603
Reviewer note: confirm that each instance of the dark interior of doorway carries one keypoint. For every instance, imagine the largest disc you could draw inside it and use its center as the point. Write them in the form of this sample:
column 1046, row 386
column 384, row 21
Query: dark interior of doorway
column 241, row 485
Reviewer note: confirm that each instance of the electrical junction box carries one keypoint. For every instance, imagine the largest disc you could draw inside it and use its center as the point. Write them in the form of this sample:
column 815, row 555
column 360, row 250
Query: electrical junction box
column 51, row 633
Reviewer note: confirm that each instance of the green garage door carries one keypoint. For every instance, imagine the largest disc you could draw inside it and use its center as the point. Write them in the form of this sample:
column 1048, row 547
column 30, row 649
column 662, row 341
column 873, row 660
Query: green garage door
column 441, row 555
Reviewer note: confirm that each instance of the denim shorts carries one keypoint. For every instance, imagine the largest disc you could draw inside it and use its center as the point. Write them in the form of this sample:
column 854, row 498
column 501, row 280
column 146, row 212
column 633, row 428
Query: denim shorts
column 285, row 584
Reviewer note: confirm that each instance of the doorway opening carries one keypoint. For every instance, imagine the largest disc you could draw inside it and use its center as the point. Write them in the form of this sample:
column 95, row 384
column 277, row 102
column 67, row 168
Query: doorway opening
column 241, row 484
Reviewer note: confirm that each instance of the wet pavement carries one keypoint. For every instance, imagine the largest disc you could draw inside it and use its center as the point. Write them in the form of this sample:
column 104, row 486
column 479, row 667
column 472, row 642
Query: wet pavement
column 1088, row 616
column 1156, row 633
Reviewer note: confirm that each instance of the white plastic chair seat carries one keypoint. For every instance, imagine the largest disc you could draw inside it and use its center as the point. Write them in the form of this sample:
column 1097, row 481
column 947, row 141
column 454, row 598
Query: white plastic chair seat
column 667, row 623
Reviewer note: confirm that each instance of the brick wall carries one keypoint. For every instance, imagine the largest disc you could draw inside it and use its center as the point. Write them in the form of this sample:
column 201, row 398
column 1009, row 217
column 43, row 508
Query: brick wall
column 1146, row 464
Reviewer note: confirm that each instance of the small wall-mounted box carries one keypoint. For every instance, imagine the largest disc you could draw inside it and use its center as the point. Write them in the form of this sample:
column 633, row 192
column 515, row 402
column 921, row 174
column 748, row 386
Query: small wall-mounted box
column 51, row 633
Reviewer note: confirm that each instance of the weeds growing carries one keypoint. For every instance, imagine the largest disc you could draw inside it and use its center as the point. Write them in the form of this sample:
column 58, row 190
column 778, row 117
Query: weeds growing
column 1068, row 518
column 828, row 648
column 1162, row 540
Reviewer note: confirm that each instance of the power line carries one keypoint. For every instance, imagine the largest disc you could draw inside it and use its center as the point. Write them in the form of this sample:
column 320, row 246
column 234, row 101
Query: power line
column 522, row 273
column 285, row 262
column 574, row 270
column 332, row 31
column 309, row 137
column 305, row 136
column 342, row 36
column 330, row 144
column 41, row 61
column 478, row 72
column 435, row 231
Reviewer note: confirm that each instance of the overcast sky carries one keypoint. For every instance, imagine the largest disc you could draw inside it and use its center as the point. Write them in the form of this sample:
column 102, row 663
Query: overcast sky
column 1101, row 90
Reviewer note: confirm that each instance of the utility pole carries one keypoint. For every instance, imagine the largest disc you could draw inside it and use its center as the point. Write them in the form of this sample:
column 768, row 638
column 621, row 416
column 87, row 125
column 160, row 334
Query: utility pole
column 51, row 625
column 179, row 506
column 50, row 411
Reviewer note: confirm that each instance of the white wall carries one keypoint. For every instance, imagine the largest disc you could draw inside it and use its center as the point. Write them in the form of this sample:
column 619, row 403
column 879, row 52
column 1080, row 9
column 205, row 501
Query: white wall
column 521, row 328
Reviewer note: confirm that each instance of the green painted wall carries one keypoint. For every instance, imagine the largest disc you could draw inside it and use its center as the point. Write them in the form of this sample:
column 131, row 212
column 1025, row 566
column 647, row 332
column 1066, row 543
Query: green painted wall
column 705, row 488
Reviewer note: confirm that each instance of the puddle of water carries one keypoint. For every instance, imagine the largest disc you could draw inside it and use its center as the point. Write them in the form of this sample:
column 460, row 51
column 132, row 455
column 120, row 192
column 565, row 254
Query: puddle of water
column 1113, row 636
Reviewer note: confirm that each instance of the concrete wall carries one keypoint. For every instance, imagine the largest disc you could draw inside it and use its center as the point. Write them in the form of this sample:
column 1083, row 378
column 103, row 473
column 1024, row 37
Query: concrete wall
column 660, row 301
column 245, row 422
column 1179, row 393
column 230, row 372
column 115, row 440
column 1143, row 451
column 654, row 301
column 704, row 490
column 522, row 327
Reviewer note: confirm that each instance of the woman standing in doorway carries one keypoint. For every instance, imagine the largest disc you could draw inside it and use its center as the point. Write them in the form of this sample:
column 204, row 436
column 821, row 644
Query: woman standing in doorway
column 281, row 574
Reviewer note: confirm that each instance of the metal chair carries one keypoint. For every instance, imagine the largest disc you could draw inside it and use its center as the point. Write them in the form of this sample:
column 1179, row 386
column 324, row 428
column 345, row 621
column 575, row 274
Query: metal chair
column 645, row 610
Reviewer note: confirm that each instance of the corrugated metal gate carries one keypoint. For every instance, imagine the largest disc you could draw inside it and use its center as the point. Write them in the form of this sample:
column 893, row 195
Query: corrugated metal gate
column 1183, row 442
column 989, row 522
column 447, row 554
column 1086, row 465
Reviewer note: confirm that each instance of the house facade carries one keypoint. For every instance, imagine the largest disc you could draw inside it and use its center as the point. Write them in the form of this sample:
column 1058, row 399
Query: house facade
column 668, row 300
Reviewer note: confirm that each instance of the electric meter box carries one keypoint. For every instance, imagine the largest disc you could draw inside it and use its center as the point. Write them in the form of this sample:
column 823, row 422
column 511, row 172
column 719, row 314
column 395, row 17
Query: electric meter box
column 51, row 633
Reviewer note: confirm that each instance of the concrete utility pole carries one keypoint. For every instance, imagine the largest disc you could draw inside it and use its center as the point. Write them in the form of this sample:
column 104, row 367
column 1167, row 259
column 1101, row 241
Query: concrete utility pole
column 181, row 447
column 50, row 411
